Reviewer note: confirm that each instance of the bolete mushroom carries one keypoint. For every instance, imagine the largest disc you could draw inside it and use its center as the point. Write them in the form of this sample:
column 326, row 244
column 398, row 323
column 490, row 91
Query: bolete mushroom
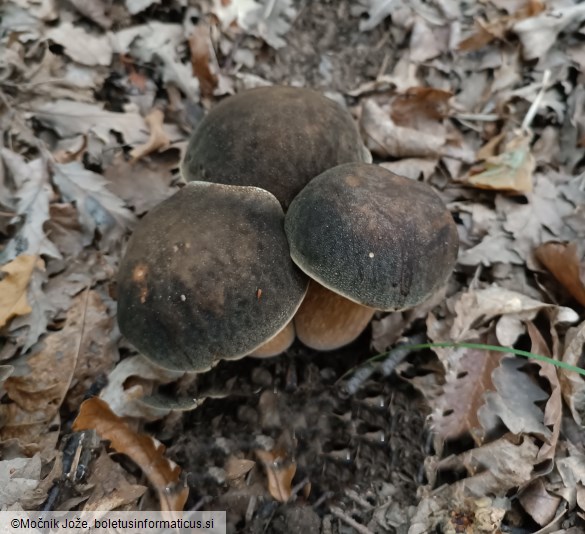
column 377, row 239
column 207, row 275
column 277, row 138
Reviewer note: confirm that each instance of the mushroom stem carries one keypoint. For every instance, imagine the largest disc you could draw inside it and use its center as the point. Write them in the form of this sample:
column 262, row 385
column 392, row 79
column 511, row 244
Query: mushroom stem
column 276, row 345
column 327, row 321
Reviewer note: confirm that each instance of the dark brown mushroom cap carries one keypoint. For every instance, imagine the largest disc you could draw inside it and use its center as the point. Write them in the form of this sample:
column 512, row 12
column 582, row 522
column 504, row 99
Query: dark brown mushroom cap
column 376, row 238
column 207, row 275
column 276, row 138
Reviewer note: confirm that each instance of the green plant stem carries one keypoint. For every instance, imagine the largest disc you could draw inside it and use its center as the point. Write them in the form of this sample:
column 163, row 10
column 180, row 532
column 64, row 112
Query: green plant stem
column 482, row 346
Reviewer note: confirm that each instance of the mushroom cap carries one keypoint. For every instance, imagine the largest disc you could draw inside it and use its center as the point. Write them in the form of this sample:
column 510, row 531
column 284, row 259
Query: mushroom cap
column 376, row 238
column 207, row 275
column 277, row 138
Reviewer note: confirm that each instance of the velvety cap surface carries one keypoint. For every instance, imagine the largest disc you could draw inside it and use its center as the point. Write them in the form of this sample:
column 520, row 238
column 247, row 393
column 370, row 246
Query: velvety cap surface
column 376, row 238
column 207, row 275
column 276, row 138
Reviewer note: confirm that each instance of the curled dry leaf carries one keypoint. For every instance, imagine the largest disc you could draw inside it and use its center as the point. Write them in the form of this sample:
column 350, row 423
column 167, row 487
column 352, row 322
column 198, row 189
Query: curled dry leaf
column 511, row 170
column 130, row 381
column 158, row 137
column 13, row 287
column 145, row 451
column 201, row 57
column 280, row 471
column 236, row 469
column 563, row 263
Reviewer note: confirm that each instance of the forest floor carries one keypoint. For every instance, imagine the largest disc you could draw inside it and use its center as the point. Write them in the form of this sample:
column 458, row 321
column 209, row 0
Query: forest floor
column 485, row 101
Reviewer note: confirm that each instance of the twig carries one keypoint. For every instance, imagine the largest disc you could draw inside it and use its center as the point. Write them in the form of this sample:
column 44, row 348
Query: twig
column 337, row 512
column 358, row 500
column 536, row 104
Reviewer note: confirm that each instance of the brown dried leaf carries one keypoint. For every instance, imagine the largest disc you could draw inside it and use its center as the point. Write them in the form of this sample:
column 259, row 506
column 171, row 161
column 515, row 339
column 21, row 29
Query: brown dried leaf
column 486, row 32
column 236, row 469
column 95, row 49
column 31, row 202
column 111, row 487
column 130, row 381
column 553, row 410
column 539, row 503
column 572, row 384
column 468, row 378
column 494, row 468
column 13, row 287
column 511, row 170
column 562, row 261
column 158, row 137
column 40, row 388
column 280, row 471
column 200, row 47
column 98, row 208
column 418, row 105
column 515, row 402
column 97, row 353
column 386, row 139
column 539, row 33
column 19, row 477
column 144, row 183
column 145, row 451
column 477, row 307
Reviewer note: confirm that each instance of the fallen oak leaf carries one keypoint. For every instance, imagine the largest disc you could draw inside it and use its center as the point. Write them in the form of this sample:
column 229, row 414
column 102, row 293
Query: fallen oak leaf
column 563, row 263
column 468, row 379
column 98, row 208
column 13, row 287
column 158, row 137
column 145, row 451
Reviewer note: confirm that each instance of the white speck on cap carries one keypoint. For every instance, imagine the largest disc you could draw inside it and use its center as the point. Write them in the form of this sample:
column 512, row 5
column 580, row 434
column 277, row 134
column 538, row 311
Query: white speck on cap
column 371, row 254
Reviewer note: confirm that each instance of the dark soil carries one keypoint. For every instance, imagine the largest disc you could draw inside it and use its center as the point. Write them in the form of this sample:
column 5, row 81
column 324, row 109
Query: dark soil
column 371, row 443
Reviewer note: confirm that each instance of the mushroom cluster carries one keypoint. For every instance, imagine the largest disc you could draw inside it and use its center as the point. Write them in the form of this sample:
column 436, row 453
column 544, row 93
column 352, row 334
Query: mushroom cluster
column 219, row 271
